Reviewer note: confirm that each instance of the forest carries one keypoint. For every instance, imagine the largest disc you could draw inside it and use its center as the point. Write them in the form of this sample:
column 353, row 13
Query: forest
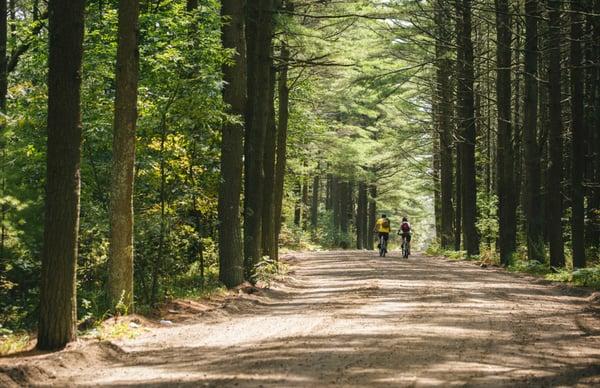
column 161, row 149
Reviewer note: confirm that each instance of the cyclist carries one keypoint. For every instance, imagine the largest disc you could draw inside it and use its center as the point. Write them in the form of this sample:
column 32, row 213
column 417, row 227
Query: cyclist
column 405, row 231
column 383, row 229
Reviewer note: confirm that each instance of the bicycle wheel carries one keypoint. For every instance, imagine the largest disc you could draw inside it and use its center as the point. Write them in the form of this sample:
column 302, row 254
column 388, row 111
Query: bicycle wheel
column 382, row 246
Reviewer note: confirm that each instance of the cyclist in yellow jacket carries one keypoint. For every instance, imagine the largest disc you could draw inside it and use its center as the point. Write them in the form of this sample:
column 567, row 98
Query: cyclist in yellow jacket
column 383, row 229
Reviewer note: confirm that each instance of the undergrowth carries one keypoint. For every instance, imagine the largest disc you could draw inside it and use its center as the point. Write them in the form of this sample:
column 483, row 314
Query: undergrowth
column 13, row 342
column 267, row 270
column 584, row 277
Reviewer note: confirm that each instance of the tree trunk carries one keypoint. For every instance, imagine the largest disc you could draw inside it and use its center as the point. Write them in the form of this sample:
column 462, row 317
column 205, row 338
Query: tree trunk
column 3, row 96
column 458, row 199
column 517, row 122
column 505, row 154
column 305, row 205
column 298, row 204
column 258, row 44
column 58, row 302
column 282, row 127
column 592, row 68
column 595, row 131
column 343, row 200
column 437, row 196
column 444, row 123
column 533, row 208
column 578, row 137
column 362, row 231
column 268, row 221
column 314, row 208
column 231, row 257
column 468, row 132
column 372, row 215
column 335, row 203
column 120, row 264
column 555, row 168
column 328, row 205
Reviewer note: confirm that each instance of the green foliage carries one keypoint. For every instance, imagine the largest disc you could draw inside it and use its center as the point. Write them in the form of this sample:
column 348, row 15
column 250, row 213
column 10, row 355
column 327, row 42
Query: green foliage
column 487, row 222
column 586, row 277
column 13, row 342
column 180, row 114
column 529, row 266
column 267, row 270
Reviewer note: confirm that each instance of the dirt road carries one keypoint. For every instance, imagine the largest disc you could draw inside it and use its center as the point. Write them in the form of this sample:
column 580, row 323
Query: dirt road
column 353, row 319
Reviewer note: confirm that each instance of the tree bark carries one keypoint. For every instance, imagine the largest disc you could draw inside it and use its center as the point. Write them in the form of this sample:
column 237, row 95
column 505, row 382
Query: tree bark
column 328, row 205
column 305, row 205
column 231, row 257
column 533, row 209
column 58, row 302
column 444, row 123
column 335, row 202
column 468, row 132
column 3, row 96
column 268, row 221
column 578, row 137
column 314, row 208
column 595, row 130
column 437, row 195
column 555, row 168
column 120, row 264
column 342, row 204
column 298, row 204
column 505, row 154
column 362, row 230
column 282, row 128
column 372, row 214
column 259, row 25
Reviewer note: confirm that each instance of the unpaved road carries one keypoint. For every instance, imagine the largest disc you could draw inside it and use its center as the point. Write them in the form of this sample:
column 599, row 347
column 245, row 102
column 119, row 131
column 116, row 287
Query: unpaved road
column 352, row 319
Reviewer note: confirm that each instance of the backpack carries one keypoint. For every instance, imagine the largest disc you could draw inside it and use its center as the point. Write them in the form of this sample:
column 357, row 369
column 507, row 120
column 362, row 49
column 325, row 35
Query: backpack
column 385, row 223
column 405, row 227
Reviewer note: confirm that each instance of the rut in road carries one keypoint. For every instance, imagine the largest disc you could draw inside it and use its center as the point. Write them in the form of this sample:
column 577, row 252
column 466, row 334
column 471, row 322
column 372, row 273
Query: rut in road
column 353, row 319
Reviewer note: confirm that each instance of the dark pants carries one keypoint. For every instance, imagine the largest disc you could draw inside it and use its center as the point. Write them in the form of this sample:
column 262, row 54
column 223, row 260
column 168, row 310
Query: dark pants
column 386, row 236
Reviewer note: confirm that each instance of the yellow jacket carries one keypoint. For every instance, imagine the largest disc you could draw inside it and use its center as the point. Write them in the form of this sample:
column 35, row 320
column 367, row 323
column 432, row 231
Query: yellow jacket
column 380, row 228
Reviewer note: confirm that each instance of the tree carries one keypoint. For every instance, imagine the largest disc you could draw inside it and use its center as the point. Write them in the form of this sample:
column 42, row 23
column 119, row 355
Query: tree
column 58, row 307
column 533, row 208
column 443, row 121
column 372, row 214
column 120, row 273
column 259, row 25
column 282, row 132
column 231, row 258
column 555, row 168
column 268, row 221
column 578, row 136
column 468, row 130
column 314, row 207
column 505, row 153
column 3, row 95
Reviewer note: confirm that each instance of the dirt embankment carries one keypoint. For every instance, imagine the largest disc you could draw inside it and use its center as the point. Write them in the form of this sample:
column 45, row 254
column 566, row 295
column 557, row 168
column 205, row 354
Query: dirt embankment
column 353, row 319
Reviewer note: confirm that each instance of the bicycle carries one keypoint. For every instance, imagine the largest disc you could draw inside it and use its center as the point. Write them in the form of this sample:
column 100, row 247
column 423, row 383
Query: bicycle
column 382, row 246
column 405, row 246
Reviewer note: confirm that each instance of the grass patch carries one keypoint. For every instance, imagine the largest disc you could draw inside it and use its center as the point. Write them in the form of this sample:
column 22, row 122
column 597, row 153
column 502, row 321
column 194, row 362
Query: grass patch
column 13, row 342
column 584, row 277
column 109, row 331
column 269, row 270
